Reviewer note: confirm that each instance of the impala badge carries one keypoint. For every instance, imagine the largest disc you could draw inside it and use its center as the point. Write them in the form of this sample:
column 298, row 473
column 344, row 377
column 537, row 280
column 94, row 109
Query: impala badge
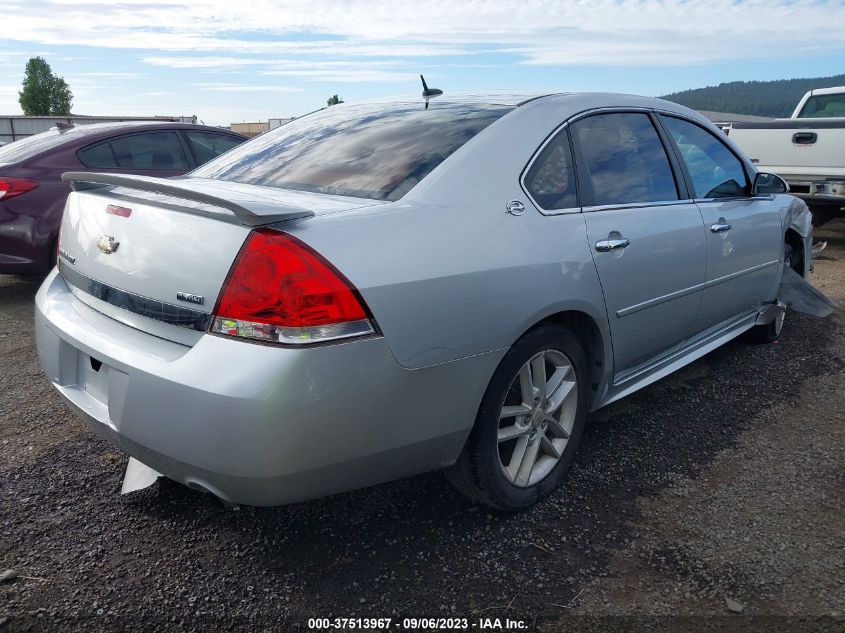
column 107, row 244
column 185, row 296
column 515, row 207
column 65, row 255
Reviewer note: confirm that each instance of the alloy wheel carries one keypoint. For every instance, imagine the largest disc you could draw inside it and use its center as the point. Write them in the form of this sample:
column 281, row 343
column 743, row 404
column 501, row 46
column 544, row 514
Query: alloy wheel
column 537, row 418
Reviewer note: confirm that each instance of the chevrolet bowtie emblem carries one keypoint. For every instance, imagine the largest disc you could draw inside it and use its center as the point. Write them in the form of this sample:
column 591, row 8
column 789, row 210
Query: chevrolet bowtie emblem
column 107, row 244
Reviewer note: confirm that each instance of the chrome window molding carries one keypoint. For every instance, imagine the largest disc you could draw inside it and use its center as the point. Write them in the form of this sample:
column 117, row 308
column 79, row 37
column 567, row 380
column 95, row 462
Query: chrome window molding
column 750, row 169
column 592, row 208
column 635, row 205
column 733, row 199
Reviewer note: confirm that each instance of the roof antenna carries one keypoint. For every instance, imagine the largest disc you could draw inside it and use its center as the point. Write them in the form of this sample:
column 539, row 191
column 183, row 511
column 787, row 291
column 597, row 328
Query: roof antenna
column 429, row 93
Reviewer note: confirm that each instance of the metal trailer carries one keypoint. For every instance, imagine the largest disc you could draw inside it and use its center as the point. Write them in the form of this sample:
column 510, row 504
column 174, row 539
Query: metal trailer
column 15, row 127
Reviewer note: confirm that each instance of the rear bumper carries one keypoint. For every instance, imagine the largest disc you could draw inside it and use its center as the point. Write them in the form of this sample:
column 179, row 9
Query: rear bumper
column 257, row 424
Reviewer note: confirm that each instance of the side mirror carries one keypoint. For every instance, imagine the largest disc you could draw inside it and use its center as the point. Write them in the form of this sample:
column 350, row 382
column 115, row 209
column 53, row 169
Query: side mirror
column 767, row 184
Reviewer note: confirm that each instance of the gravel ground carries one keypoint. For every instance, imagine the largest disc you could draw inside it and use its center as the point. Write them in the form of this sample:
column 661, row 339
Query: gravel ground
column 710, row 500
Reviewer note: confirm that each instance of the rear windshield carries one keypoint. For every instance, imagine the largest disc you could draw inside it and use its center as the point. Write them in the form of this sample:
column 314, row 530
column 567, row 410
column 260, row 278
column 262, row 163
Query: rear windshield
column 822, row 106
column 377, row 151
column 31, row 145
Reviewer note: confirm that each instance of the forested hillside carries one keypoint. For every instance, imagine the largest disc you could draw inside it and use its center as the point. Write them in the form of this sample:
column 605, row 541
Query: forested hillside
column 763, row 98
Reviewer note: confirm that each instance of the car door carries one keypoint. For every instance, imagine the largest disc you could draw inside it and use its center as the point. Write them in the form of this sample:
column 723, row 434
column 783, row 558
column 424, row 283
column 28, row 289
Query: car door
column 744, row 232
column 158, row 153
column 647, row 239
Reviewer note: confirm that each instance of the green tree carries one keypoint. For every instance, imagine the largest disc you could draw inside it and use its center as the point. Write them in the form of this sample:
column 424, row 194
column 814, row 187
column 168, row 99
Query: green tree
column 763, row 98
column 334, row 100
column 43, row 92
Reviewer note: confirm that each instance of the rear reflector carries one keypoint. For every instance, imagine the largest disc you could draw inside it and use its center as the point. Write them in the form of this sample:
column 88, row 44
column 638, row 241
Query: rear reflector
column 123, row 212
column 11, row 187
column 280, row 290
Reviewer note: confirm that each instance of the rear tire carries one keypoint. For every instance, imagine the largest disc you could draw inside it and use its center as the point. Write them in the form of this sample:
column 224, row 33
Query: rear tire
column 529, row 424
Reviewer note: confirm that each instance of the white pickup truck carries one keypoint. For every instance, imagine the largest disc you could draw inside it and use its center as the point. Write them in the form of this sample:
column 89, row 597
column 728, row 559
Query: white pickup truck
column 807, row 150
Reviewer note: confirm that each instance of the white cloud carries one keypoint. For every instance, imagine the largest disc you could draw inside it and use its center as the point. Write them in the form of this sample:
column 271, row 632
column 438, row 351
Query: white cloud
column 607, row 32
column 110, row 75
column 226, row 87
column 343, row 75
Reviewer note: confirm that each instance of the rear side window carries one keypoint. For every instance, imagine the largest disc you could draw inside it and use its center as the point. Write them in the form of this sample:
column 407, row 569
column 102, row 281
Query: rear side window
column 151, row 150
column 714, row 169
column 207, row 145
column 99, row 155
column 551, row 178
column 624, row 159
column 377, row 151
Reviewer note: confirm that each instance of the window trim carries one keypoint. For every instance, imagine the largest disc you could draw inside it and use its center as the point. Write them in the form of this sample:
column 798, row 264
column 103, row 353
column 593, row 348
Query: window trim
column 189, row 157
column 688, row 177
column 563, row 128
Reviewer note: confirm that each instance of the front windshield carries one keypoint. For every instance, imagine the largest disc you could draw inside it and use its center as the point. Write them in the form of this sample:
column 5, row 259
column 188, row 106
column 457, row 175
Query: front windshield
column 823, row 106
column 377, row 151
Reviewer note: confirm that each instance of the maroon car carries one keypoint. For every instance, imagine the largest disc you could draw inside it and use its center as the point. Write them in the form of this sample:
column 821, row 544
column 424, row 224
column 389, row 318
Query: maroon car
column 32, row 194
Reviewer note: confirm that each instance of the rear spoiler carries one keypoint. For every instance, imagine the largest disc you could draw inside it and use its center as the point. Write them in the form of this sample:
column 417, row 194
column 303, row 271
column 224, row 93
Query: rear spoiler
column 247, row 210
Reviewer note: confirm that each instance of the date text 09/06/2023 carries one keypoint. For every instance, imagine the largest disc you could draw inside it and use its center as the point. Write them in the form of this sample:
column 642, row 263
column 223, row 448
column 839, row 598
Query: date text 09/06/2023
column 415, row 624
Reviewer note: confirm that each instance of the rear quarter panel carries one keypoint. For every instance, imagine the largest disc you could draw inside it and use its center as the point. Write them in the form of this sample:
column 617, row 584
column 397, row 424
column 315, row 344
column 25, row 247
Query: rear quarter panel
column 446, row 271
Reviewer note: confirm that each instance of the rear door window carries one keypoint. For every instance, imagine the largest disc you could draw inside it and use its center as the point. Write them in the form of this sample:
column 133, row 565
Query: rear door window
column 551, row 178
column 378, row 151
column 714, row 169
column 151, row 150
column 207, row 145
column 624, row 160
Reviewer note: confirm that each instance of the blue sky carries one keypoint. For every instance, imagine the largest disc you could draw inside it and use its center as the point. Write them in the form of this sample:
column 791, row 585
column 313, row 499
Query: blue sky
column 227, row 62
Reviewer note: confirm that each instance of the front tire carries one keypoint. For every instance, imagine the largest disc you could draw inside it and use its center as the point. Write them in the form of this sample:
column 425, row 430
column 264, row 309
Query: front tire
column 529, row 424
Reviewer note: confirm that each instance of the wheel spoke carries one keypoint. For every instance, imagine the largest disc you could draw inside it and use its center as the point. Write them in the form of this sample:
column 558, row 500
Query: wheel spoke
column 538, row 374
column 549, row 447
column 510, row 432
column 526, row 386
column 557, row 428
column 556, row 380
column 516, row 457
column 512, row 411
column 529, row 458
column 557, row 397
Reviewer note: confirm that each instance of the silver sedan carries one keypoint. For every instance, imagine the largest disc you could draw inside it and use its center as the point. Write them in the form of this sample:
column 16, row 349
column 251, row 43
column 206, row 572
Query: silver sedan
column 382, row 289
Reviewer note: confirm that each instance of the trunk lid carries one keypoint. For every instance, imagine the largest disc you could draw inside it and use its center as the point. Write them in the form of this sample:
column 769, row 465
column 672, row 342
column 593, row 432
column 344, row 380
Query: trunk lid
column 157, row 261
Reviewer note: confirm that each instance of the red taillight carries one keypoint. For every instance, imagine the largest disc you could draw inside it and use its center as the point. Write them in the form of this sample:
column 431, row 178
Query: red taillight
column 11, row 187
column 281, row 290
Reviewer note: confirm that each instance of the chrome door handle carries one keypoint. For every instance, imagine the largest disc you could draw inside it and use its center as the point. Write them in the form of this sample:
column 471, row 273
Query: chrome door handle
column 720, row 228
column 604, row 246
